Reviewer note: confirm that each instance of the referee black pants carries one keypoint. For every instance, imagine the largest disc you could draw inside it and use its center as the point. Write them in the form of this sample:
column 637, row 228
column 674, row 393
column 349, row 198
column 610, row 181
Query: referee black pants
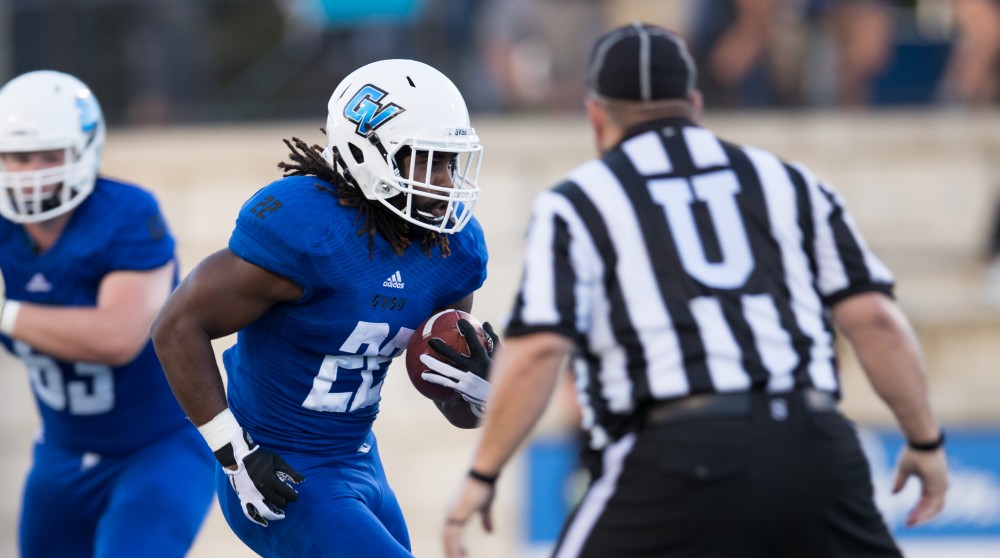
column 778, row 479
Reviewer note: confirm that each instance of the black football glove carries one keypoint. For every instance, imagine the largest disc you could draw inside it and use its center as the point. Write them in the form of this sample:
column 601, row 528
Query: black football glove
column 468, row 375
column 261, row 479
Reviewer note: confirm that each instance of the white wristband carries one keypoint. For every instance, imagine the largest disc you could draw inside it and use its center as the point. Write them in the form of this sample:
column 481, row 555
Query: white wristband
column 220, row 430
column 8, row 316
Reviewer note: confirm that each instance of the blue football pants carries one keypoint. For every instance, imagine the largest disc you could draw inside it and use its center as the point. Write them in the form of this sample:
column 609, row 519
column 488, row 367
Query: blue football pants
column 148, row 504
column 345, row 509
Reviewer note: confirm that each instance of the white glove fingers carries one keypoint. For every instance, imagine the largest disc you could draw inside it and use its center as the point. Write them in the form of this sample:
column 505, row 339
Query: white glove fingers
column 474, row 400
column 254, row 513
column 268, row 511
column 439, row 380
column 441, row 367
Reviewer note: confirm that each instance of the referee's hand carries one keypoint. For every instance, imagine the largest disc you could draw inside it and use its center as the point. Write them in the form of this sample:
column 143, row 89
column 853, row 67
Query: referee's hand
column 931, row 467
column 473, row 497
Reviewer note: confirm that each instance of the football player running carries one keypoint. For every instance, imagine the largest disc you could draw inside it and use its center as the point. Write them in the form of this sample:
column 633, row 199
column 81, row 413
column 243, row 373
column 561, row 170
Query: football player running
column 326, row 275
column 88, row 262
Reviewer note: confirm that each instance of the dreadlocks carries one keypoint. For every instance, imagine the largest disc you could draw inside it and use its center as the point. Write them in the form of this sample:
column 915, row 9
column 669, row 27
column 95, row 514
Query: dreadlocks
column 375, row 219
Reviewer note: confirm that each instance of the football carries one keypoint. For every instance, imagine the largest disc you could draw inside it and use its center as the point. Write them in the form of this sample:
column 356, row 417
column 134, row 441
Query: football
column 444, row 326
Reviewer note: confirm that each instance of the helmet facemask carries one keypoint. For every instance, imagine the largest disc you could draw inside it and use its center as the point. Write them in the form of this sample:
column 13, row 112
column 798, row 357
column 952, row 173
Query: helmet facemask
column 31, row 196
column 435, row 188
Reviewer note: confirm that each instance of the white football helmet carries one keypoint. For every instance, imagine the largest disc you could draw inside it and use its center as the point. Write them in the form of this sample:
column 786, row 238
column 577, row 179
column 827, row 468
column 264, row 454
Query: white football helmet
column 44, row 111
column 392, row 108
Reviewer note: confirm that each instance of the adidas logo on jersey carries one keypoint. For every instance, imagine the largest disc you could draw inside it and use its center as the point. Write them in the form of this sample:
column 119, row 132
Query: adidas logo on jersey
column 394, row 282
column 38, row 284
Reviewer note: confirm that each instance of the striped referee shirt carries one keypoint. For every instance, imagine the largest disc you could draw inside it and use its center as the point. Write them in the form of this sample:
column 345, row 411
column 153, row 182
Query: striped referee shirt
column 683, row 264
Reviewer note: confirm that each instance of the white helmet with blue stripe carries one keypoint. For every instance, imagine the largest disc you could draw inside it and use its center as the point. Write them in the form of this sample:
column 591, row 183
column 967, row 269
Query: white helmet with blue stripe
column 48, row 111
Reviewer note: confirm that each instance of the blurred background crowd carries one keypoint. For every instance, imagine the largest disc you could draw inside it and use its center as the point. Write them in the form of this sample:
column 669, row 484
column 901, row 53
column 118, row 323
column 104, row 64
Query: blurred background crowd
column 170, row 61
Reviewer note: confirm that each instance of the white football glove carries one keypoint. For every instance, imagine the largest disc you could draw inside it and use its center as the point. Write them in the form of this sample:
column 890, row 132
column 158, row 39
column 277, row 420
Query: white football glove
column 466, row 374
column 261, row 478
column 471, row 387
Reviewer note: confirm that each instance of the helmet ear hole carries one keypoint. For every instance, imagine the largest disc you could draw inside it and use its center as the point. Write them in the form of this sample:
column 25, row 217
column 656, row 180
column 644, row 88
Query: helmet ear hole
column 359, row 156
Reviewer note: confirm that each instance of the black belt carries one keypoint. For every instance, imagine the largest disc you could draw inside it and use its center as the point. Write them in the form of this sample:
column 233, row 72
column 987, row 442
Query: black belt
column 734, row 404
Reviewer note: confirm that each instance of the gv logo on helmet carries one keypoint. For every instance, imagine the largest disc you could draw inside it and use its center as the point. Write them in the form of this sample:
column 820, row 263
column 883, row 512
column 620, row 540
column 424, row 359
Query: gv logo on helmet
column 86, row 105
column 365, row 110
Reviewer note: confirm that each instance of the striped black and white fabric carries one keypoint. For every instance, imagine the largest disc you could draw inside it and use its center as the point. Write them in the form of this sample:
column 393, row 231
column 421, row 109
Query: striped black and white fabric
column 684, row 264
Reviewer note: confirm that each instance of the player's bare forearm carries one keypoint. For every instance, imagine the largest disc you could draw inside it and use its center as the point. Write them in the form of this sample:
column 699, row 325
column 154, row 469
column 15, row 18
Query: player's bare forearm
column 889, row 353
column 223, row 294
column 189, row 363
column 524, row 377
column 112, row 332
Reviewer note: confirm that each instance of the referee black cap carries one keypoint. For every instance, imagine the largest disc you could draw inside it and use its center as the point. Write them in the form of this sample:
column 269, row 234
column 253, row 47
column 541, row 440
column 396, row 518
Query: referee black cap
column 641, row 62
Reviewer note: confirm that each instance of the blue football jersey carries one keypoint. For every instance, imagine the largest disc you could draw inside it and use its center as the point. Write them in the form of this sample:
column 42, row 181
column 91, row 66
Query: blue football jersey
column 306, row 376
column 86, row 406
